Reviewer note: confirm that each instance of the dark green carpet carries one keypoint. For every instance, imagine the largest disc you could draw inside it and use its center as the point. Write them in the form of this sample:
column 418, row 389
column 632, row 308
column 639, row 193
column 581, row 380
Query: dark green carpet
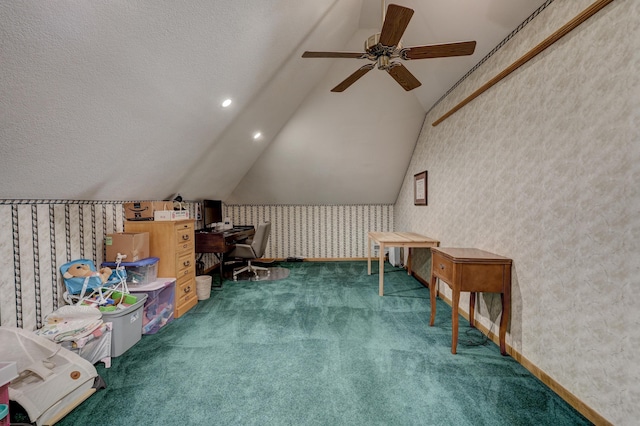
column 318, row 348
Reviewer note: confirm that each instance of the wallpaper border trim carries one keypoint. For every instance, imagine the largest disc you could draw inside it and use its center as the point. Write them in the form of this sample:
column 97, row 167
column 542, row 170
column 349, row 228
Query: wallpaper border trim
column 58, row 201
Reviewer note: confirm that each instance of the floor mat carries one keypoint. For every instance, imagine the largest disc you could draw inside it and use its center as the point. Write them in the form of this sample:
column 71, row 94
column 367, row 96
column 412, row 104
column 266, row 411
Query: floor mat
column 274, row 273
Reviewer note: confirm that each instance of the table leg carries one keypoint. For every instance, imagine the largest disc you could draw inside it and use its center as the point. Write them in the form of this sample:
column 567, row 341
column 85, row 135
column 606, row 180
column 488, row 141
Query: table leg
column 432, row 294
column 381, row 262
column 221, row 262
column 369, row 255
column 409, row 260
column 472, row 308
column 506, row 307
column 506, row 302
column 454, row 320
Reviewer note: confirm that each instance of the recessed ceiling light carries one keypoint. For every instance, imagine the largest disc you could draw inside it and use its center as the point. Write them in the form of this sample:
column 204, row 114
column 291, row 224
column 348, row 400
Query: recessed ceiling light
column 257, row 135
column 226, row 103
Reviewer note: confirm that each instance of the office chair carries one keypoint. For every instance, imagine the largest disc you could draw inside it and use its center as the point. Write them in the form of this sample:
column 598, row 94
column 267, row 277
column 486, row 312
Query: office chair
column 253, row 250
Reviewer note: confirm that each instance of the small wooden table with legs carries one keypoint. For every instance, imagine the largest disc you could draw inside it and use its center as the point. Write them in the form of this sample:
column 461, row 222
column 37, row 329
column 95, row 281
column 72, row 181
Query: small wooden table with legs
column 408, row 240
column 473, row 270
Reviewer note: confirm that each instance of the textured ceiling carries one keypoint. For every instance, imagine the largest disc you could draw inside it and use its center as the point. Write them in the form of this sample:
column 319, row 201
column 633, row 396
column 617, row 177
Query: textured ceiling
column 121, row 100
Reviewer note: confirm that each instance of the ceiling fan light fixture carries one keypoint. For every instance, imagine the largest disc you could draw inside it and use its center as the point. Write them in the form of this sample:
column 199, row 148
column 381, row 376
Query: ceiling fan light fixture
column 383, row 62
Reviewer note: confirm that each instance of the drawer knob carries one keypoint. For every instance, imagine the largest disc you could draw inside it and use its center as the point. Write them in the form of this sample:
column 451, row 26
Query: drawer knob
column 185, row 237
column 441, row 266
column 187, row 263
column 187, row 289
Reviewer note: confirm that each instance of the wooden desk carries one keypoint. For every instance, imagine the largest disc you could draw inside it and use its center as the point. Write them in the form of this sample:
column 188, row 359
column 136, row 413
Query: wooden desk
column 221, row 242
column 407, row 240
column 473, row 270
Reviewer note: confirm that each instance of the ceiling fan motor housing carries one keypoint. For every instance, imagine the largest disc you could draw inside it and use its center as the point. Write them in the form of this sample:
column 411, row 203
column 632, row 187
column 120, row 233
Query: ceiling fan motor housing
column 373, row 47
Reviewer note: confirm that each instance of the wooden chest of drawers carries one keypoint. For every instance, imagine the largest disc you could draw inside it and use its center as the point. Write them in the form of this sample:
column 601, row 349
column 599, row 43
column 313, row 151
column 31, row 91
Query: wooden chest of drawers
column 174, row 243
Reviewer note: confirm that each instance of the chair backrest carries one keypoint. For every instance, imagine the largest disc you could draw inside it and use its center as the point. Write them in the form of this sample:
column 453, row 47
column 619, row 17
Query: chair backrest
column 259, row 243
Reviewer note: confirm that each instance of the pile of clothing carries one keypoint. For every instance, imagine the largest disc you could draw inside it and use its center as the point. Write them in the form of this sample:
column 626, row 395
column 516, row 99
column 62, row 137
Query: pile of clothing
column 71, row 323
column 81, row 330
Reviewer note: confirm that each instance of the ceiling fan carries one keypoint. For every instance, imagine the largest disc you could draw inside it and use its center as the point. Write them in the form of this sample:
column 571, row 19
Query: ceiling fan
column 385, row 49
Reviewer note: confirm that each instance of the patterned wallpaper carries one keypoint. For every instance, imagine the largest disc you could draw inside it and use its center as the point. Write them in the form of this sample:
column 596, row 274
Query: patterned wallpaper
column 316, row 231
column 39, row 236
column 544, row 168
column 36, row 238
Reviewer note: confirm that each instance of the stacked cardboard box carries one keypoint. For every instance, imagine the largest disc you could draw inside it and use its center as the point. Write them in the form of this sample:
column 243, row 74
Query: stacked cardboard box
column 135, row 245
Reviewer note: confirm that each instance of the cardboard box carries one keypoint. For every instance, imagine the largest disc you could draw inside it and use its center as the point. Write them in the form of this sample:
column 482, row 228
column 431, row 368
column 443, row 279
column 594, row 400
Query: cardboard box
column 144, row 210
column 164, row 215
column 135, row 245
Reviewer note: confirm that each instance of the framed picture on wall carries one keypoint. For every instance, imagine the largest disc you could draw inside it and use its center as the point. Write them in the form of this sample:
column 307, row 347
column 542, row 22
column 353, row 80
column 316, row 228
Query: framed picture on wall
column 420, row 189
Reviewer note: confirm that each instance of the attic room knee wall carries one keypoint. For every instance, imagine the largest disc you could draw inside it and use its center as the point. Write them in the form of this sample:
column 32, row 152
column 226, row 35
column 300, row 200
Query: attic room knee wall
column 316, row 231
column 38, row 236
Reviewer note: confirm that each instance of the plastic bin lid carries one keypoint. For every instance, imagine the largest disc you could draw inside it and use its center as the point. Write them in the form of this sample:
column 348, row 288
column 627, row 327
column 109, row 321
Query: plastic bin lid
column 154, row 285
column 141, row 262
column 4, row 410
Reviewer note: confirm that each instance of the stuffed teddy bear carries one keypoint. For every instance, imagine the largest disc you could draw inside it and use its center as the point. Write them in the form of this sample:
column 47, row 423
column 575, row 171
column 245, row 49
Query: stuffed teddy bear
column 84, row 270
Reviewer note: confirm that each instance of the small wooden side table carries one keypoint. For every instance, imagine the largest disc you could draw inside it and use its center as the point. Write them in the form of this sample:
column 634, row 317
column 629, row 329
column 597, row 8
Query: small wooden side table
column 408, row 240
column 472, row 270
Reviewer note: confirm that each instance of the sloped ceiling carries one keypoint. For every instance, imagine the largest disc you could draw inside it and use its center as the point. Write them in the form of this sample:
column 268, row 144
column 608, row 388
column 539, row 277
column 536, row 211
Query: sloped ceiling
column 121, row 100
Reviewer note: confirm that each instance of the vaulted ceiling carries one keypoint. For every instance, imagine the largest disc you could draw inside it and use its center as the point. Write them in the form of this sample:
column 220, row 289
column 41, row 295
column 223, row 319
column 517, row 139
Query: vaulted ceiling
column 122, row 100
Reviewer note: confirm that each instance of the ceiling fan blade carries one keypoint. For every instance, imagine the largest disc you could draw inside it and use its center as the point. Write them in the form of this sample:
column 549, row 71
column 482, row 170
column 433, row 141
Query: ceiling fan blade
column 404, row 78
column 353, row 78
column 395, row 22
column 354, row 55
column 439, row 50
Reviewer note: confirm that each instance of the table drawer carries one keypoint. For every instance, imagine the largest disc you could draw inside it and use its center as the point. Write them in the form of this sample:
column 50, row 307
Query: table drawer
column 184, row 287
column 184, row 261
column 187, row 303
column 189, row 271
column 184, row 237
column 183, row 246
column 441, row 267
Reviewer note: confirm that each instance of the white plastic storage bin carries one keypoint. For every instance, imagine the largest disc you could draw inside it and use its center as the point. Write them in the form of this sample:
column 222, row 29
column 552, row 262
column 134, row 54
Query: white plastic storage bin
column 160, row 304
column 127, row 326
